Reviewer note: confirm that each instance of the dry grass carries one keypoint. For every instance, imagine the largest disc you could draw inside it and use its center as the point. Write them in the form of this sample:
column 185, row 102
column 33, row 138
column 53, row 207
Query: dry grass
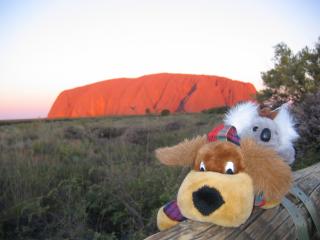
column 89, row 178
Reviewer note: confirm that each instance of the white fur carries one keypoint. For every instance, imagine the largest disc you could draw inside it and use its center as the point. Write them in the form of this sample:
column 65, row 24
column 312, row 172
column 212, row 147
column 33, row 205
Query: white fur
column 229, row 165
column 241, row 116
column 246, row 115
column 286, row 126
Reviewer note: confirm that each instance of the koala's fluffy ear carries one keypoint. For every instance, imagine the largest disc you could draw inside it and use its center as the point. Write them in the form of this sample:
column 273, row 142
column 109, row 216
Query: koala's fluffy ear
column 182, row 154
column 285, row 124
column 241, row 116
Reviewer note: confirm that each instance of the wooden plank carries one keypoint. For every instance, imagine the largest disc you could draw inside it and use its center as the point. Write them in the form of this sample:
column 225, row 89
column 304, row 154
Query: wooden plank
column 273, row 223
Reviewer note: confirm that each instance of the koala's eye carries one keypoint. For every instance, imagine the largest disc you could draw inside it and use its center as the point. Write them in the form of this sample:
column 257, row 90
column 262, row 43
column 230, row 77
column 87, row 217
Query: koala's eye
column 202, row 166
column 255, row 128
column 229, row 168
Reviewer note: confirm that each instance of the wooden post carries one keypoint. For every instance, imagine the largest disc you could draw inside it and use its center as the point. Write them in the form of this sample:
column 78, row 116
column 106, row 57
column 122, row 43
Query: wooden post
column 275, row 223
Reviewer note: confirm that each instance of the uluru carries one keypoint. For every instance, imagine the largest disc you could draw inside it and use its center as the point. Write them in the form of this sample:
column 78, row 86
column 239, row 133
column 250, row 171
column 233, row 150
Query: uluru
column 150, row 93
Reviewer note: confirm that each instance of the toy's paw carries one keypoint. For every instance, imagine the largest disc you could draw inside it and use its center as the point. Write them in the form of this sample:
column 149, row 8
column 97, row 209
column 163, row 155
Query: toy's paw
column 270, row 204
column 163, row 221
column 260, row 201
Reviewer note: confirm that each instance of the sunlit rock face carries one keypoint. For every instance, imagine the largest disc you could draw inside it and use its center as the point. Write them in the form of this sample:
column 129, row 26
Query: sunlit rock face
column 150, row 93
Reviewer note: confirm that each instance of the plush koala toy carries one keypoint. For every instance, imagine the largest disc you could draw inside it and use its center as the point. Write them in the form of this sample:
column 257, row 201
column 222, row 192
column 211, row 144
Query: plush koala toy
column 273, row 129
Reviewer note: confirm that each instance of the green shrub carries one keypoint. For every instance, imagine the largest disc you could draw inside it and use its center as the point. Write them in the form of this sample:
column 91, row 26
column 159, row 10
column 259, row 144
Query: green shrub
column 147, row 111
column 308, row 146
column 107, row 132
column 165, row 112
column 73, row 132
column 218, row 110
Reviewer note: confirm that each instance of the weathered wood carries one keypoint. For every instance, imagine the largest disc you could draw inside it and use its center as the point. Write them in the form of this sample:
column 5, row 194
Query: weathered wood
column 275, row 223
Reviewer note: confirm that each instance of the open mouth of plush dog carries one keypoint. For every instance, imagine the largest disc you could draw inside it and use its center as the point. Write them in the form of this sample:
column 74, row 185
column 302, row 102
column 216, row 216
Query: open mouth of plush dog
column 215, row 197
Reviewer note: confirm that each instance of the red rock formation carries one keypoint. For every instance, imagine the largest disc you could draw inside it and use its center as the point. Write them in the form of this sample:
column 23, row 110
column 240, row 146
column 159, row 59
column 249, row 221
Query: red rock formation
column 175, row 92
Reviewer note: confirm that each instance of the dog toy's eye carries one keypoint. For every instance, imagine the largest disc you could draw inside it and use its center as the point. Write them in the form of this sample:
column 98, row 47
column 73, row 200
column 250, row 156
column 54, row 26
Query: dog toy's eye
column 229, row 168
column 255, row 128
column 202, row 167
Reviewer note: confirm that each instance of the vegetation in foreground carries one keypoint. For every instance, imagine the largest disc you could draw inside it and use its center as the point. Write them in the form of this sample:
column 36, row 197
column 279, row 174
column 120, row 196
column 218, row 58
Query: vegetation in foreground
column 95, row 178
column 89, row 178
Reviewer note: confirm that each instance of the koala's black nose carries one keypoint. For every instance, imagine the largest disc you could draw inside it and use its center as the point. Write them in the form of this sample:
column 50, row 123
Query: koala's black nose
column 265, row 135
column 207, row 200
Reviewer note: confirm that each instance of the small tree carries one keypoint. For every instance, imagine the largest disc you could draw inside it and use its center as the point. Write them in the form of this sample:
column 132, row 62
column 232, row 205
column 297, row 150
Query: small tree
column 293, row 75
column 217, row 110
column 165, row 112
column 308, row 117
column 147, row 111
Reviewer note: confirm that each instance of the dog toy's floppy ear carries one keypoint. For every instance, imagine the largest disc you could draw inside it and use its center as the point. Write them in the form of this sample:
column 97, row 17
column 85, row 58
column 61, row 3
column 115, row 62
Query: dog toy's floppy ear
column 271, row 176
column 182, row 154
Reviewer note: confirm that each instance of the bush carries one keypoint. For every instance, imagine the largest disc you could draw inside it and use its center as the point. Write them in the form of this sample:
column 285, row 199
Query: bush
column 147, row 111
column 218, row 110
column 108, row 132
column 293, row 75
column 137, row 135
column 173, row 126
column 165, row 112
column 308, row 116
column 73, row 132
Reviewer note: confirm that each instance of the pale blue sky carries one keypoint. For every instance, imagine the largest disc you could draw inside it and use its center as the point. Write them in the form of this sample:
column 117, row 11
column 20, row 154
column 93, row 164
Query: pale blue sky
column 49, row 46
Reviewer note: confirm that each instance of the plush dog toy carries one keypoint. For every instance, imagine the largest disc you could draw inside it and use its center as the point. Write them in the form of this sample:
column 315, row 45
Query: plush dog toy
column 273, row 129
column 228, row 177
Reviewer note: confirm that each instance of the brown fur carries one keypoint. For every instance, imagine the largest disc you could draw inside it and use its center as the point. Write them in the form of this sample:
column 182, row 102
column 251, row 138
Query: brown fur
column 270, row 174
column 268, row 113
column 216, row 154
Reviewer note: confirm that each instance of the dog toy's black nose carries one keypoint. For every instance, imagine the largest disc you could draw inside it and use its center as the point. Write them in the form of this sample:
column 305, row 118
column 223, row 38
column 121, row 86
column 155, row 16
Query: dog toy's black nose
column 207, row 200
column 265, row 135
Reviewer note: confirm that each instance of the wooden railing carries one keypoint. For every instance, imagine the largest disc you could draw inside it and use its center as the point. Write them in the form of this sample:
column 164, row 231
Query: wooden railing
column 296, row 218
